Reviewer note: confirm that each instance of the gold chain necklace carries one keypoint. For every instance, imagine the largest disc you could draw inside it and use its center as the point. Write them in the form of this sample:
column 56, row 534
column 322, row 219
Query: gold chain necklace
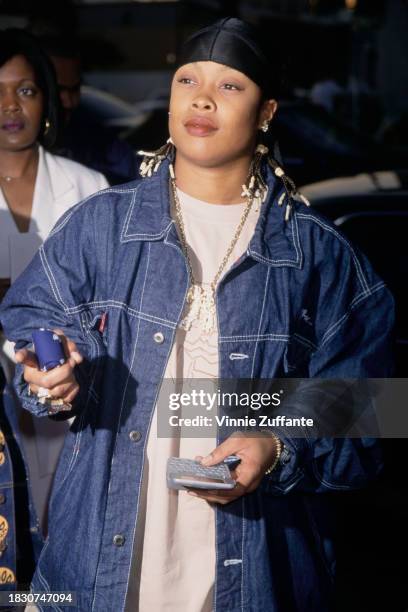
column 201, row 299
column 8, row 177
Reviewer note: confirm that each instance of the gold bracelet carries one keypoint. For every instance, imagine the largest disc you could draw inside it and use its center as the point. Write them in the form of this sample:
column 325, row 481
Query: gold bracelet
column 278, row 453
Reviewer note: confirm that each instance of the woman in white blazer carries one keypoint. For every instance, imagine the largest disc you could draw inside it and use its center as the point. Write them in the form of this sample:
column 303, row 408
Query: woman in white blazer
column 60, row 183
column 36, row 188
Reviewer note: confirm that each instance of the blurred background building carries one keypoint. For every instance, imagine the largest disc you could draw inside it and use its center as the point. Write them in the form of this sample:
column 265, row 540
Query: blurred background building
column 346, row 57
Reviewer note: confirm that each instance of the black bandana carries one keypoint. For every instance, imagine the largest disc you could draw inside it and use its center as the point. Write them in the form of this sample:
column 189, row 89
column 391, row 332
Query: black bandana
column 234, row 43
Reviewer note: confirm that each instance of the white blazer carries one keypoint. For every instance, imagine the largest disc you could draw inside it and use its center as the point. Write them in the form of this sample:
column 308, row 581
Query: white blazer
column 60, row 183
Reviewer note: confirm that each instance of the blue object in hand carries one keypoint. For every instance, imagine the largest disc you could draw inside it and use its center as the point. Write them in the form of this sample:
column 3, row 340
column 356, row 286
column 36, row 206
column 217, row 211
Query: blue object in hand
column 48, row 348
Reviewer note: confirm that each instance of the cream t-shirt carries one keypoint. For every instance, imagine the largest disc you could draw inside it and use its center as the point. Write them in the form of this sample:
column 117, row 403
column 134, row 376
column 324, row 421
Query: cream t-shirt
column 173, row 564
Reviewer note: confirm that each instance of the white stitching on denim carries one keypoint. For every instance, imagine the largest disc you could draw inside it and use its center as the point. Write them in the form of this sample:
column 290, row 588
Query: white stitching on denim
column 114, row 304
column 166, row 239
column 290, row 483
column 93, row 393
column 174, row 246
column 298, row 262
column 115, row 190
column 235, row 356
column 122, row 306
column 38, row 570
column 355, row 301
column 360, row 297
column 255, row 338
column 357, row 264
column 128, row 216
column 322, row 480
column 122, row 404
column 42, row 579
column 278, row 262
column 260, row 320
column 215, row 594
column 296, row 240
column 150, row 318
column 78, row 436
column 57, row 228
column 125, row 237
column 360, row 273
column 364, row 294
column 51, row 278
column 130, row 237
column 75, row 450
column 329, row 333
column 242, row 552
column 305, row 341
column 333, row 329
column 146, row 438
column 229, row 562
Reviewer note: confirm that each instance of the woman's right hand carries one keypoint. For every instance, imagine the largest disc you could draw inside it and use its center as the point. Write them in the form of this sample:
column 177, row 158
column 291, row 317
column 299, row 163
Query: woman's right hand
column 60, row 382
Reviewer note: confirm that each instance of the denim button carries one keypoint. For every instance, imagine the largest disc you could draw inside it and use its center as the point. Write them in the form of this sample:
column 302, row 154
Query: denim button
column 2, row 498
column 118, row 539
column 158, row 337
column 135, row 435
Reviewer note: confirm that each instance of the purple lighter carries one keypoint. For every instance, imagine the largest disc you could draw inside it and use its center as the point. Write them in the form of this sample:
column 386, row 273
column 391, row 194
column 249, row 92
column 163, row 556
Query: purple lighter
column 48, row 348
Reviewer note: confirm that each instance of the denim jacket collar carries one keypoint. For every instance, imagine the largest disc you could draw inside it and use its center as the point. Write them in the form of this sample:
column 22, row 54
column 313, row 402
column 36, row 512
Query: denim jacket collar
column 275, row 241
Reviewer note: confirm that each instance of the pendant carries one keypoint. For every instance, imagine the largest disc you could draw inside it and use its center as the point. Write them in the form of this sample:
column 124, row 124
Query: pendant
column 201, row 308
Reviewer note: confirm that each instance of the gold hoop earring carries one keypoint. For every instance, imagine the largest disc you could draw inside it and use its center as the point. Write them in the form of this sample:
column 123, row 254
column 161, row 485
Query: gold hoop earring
column 47, row 126
column 265, row 126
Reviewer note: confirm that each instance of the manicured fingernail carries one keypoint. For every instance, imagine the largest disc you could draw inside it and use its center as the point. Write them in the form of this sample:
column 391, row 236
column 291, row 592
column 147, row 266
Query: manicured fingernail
column 206, row 460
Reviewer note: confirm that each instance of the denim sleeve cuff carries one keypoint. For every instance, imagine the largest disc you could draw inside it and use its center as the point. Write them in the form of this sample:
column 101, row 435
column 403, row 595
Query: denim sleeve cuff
column 28, row 400
column 289, row 470
column 31, row 402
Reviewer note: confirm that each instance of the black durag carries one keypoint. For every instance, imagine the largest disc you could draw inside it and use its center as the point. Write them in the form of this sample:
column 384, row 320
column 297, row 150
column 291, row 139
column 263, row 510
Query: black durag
column 236, row 44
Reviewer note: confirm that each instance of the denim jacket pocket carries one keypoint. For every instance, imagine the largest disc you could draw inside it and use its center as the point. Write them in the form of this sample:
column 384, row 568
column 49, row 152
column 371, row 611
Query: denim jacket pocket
column 95, row 332
column 297, row 356
column 89, row 378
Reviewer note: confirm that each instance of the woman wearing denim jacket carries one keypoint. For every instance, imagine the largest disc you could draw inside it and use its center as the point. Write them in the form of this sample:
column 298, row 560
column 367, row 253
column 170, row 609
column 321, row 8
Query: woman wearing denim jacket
column 36, row 188
column 208, row 266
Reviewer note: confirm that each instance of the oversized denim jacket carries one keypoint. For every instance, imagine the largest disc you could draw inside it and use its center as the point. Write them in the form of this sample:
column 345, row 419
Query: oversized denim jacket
column 118, row 253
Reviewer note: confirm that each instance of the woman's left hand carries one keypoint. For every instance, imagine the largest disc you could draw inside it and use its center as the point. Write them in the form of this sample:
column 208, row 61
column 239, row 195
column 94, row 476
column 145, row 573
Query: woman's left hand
column 257, row 454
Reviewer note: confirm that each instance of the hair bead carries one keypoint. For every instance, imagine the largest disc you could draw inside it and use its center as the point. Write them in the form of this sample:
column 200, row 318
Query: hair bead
column 255, row 186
